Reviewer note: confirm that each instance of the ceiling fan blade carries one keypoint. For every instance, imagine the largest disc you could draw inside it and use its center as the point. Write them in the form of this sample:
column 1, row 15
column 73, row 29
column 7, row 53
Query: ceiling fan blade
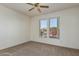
column 31, row 9
column 36, row 3
column 30, row 3
column 39, row 10
column 44, row 6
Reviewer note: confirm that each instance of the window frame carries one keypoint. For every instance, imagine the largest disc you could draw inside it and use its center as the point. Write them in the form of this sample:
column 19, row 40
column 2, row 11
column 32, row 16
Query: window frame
column 58, row 25
column 48, row 27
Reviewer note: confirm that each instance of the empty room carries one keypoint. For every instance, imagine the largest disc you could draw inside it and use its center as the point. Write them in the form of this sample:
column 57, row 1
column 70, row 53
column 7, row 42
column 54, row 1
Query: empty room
column 39, row 29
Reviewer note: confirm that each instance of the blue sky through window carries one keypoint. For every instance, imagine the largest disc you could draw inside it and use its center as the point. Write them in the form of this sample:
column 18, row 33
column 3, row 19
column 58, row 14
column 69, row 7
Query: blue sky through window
column 53, row 22
column 43, row 24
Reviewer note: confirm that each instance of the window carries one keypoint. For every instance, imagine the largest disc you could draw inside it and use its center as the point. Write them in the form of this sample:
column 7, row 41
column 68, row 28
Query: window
column 43, row 28
column 51, row 30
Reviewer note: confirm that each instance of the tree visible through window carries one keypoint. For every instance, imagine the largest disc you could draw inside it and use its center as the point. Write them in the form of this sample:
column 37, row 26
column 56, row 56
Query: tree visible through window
column 51, row 30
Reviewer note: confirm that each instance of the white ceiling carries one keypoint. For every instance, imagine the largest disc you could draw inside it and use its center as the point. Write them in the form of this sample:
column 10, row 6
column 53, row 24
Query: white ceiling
column 23, row 7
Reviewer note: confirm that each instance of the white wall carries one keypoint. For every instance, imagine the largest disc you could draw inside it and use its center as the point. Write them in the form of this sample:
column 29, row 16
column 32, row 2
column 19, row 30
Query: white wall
column 14, row 28
column 69, row 28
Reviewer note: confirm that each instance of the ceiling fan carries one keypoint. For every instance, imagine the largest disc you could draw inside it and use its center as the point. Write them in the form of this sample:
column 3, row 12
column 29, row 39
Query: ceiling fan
column 37, row 6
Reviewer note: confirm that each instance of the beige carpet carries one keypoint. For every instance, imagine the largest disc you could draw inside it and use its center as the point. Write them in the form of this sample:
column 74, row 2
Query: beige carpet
column 38, row 49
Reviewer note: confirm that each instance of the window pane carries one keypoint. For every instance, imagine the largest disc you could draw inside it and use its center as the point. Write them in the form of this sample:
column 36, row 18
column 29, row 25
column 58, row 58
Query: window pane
column 43, row 28
column 43, row 24
column 53, row 29
column 53, row 22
